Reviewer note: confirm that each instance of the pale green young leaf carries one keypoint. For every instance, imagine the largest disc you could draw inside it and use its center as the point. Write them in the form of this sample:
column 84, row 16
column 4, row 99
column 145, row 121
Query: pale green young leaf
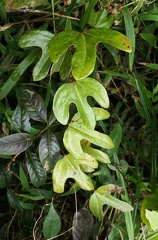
column 77, row 92
column 69, row 167
column 103, row 196
column 73, row 145
column 38, row 38
column 152, row 216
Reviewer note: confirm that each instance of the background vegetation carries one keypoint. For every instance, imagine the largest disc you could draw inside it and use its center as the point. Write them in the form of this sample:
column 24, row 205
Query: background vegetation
column 29, row 208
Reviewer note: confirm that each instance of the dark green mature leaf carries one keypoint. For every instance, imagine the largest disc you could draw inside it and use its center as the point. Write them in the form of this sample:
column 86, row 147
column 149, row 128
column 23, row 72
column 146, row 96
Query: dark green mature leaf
column 84, row 58
column 52, row 223
column 34, row 104
column 20, row 119
column 102, row 196
column 13, row 200
column 17, row 73
column 82, row 224
column 15, row 143
column 49, row 150
column 68, row 167
column 77, row 93
column 5, row 176
column 36, row 172
column 39, row 38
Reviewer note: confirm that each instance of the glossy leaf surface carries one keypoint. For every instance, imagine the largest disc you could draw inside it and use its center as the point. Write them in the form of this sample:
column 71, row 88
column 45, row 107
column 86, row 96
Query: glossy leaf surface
column 49, row 150
column 77, row 93
column 103, row 196
column 34, row 104
column 21, row 119
column 36, row 172
column 82, row 224
column 69, row 167
column 38, row 38
column 52, row 223
column 84, row 58
column 13, row 200
column 15, row 143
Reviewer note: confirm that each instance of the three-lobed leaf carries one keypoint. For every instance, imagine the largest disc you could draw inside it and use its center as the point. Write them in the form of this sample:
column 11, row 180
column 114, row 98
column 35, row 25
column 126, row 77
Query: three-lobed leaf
column 69, row 167
column 84, row 58
column 39, row 38
column 103, row 196
column 73, row 145
column 77, row 92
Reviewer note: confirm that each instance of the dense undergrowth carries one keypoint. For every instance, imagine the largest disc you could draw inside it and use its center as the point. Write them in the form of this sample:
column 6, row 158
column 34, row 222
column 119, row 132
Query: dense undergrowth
column 47, row 65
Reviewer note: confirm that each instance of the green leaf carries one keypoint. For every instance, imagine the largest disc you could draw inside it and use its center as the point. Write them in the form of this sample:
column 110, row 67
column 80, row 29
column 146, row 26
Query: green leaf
column 101, row 19
column 27, row 205
column 20, row 119
column 34, row 104
column 84, row 58
column 52, row 223
column 17, row 73
column 77, row 129
column 116, row 136
column 13, row 200
column 66, row 65
column 77, row 92
column 149, row 203
column 38, row 38
column 5, row 176
column 150, row 38
column 36, row 172
column 148, row 17
column 152, row 216
column 15, row 143
column 68, row 167
column 130, row 34
column 97, row 154
column 49, row 150
column 102, row 196
column 23, row 179
column 30, row 197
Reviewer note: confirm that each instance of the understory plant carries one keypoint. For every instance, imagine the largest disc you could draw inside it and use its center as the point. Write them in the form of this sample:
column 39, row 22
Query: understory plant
column 57, row 138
